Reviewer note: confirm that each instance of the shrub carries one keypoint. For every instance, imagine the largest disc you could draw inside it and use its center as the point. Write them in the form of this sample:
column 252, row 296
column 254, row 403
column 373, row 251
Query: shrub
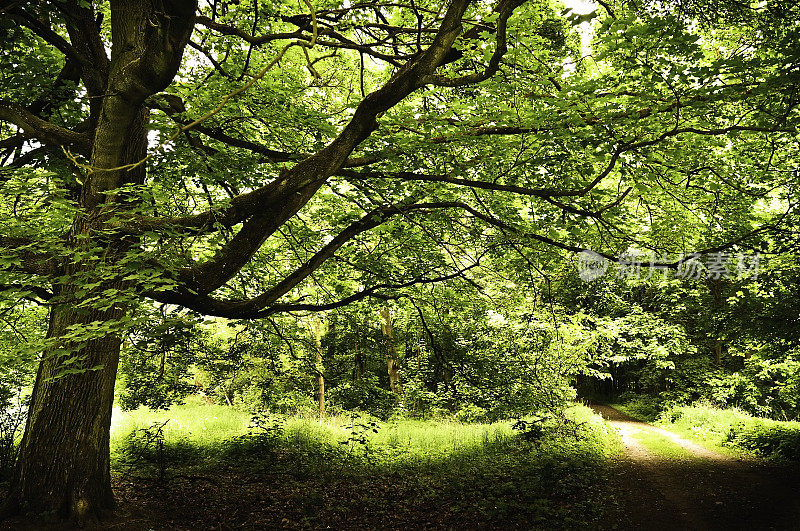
column 471, row 413
column 767, row 438
column 643, row 406
column 367, row 395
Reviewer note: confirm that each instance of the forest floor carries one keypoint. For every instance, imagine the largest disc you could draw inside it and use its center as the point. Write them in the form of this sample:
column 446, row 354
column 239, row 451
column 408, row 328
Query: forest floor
column 494, row 480
column 663, row 481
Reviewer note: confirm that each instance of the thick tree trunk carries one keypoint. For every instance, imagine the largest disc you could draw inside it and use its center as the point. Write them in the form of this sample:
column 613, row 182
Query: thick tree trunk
column 63, row 466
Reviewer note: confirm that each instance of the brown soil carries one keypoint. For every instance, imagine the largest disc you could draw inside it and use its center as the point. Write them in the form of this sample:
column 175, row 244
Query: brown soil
column 708, row 491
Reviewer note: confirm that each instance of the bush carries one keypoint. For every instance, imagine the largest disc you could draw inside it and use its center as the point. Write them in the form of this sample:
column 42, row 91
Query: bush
column 367, row 395
column 644, row 407
column 765, row 387
column 767, row 438
column 735, row 428
column 471, row 413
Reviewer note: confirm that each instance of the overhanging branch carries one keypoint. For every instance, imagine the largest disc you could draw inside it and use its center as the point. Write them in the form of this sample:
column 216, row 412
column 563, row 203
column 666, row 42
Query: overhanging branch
column 42, row 130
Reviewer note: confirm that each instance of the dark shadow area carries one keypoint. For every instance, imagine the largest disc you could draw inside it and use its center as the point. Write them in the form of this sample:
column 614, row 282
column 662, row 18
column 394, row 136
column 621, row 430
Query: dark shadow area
column 724, row 493
column 695, row 494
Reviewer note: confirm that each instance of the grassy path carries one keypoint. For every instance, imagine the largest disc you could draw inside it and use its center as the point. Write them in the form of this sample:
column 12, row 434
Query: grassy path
column 663, row 481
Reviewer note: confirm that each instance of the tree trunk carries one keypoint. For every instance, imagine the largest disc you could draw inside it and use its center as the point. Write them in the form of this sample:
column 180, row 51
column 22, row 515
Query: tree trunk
column 419, row 351
column 63, row 468
column 317, row 326
column 393, row 366
column 359, row 365
column 63, row 465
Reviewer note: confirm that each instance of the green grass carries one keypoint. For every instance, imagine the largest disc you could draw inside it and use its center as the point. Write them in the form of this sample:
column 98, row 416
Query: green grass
column 214, row 430
column 662, row 446
column 479, row 469
column 196, row 428
column 733, row 432
column 705, row 425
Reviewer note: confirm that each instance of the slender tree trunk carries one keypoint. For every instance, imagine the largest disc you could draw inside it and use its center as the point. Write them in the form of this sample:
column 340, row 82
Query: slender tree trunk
column 393, row 366
column 419, row 350
column 358, row 369
column 317, row 327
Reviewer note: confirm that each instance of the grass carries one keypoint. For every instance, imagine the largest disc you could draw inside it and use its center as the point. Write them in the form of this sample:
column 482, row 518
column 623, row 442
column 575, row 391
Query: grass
column 730, row 431
column 704, row 424
column 480, row 473
column 211, row 429
column 662, row 446
column 701, row 424
column 199, row 429
column 734, row 429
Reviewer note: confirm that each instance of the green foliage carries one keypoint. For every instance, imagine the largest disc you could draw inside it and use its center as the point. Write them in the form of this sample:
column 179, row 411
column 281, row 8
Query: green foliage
column 674, row 131
column 767, row 438
column 365, row 394
column 147, row 444
column 643, row 407
column 17, row 371
column 155, row 368
column 13, row 412
column 733, row 428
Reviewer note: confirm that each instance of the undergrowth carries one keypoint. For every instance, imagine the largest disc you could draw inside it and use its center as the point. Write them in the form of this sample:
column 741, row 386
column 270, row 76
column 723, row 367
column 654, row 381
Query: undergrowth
column 547, row 470
column 726, row 429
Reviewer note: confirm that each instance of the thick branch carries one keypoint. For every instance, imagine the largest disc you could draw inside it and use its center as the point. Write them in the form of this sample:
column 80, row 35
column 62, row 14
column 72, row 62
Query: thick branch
column 22, row 256
column 505, row 9
column 210, row 306
column 38, row 291
column 283, row 198
column 42, row 130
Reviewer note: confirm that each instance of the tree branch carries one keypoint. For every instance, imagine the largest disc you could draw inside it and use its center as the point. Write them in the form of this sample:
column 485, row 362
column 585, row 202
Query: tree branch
column 275, row 203
column 22, row 256
column 505, row 8
column 38, row 291
column 224, row 29
column 42, row 130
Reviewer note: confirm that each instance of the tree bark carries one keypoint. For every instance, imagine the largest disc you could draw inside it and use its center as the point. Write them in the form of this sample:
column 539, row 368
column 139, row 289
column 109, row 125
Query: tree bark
column 63, row 468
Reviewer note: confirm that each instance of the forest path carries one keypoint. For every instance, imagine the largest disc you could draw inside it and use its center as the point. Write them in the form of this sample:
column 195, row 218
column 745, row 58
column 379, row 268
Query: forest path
column 701, row 490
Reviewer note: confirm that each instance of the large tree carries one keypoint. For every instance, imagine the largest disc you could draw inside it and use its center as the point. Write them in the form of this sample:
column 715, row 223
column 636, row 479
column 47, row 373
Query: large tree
column 227, row 156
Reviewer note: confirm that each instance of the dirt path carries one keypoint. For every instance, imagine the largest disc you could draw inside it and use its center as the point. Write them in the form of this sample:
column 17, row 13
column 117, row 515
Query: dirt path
column 705, row 491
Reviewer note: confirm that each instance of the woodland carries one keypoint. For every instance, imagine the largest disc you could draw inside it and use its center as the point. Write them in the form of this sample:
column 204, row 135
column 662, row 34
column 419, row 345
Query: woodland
column 329, row 263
